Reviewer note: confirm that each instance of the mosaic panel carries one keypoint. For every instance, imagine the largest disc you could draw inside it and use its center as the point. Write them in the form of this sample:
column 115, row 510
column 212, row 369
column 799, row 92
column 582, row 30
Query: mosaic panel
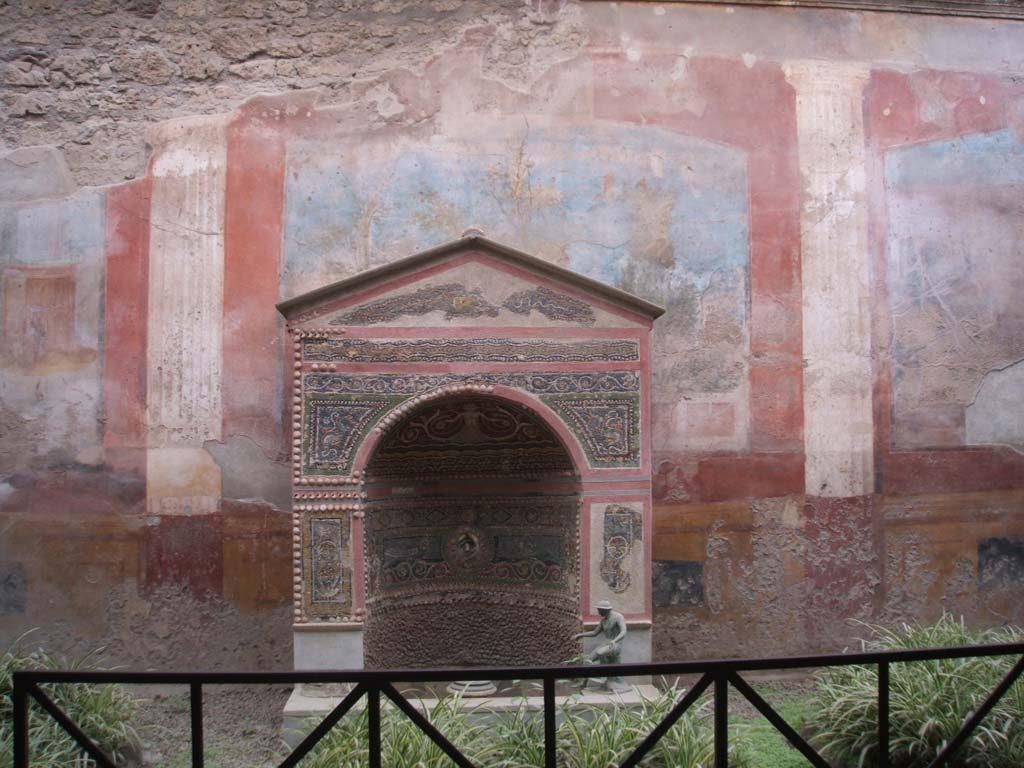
column 608, row 426
column 328, row 575
column 414, row 384
column 470, row 350
column 454, row 299
column 525, row 542
column 335, row 426
column 618, row 565
column 552, row 304
column 623, row 530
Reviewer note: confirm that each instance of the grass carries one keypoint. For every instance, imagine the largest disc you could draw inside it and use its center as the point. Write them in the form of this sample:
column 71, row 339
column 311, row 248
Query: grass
column 102, row 711
column 929, row 700
column 764, row 745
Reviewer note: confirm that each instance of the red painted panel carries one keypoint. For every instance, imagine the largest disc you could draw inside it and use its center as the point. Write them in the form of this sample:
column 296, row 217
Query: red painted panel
column 723, row 478
column 842, row 565
column 125, row 315
column 951, row 471
column 776, row 407
column 186, row 551
column 254, row 203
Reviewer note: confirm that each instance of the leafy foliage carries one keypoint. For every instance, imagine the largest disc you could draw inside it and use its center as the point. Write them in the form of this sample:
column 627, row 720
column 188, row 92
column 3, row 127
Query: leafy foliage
column 928, row 701
column 103, row 712
column 587, row 737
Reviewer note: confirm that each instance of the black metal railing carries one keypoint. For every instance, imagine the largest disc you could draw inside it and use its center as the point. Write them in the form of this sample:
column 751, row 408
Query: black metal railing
column 372, row 684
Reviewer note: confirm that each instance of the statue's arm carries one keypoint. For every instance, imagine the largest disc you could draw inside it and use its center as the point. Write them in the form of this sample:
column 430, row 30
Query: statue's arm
column 622, row 631
column 592, row 633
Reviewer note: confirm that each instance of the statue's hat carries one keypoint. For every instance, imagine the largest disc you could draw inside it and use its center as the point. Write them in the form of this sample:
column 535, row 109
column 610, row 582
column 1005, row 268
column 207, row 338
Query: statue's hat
column 604, row 605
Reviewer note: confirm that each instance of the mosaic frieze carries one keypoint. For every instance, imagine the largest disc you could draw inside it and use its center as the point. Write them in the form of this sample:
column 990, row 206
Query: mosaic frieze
column 608, row 426
column 454, row 299
column 477, row 543
column 552, row 304
column 623, row 530
column 469, row 350
column 328, row 581
column 414, row 384
column 334, row 428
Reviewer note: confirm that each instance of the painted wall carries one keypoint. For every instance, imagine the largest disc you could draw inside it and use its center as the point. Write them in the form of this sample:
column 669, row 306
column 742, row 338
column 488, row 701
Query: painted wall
column 828, row 204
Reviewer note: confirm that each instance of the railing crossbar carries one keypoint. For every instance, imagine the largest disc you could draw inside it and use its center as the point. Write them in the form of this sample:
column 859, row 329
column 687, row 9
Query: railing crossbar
column 97, row 754
column 528, row 672
column 777, row 721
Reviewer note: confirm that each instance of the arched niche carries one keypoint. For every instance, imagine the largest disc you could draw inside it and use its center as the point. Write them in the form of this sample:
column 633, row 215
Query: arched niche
column 475, row 334
column 471, row 538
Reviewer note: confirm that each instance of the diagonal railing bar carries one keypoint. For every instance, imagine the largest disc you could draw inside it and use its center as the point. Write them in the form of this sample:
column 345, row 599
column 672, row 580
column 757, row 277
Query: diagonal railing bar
column 773, row 717
column 972, row 722
column 314, row 736
column 426, row 726
column 97, row 754
column 671, row 718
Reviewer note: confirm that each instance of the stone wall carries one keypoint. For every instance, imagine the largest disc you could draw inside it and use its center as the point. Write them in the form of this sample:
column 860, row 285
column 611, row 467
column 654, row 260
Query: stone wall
column 827, row 202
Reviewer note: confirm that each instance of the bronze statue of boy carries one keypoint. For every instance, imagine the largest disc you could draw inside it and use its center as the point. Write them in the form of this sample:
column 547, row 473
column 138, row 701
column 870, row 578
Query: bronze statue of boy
column 613, row 627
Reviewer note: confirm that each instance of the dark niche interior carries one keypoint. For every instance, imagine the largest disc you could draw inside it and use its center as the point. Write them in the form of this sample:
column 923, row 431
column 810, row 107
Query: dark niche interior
column 472, row 539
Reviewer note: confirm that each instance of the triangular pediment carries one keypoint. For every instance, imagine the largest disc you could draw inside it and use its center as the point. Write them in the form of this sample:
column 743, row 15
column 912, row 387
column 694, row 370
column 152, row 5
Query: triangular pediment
column 472, row 282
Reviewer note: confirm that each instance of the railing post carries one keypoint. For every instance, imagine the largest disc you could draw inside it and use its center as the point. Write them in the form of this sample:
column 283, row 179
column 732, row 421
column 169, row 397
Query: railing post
column 373, row 705
column 721, row 720
column 550, row 742
column 196, row 707
column 883, row 714
column 20, row 722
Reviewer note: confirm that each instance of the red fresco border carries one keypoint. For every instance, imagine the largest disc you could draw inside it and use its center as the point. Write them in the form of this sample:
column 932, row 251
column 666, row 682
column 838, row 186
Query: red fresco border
column 753, row 108
column 125, row 316
column 253, row 210
column 939, row 469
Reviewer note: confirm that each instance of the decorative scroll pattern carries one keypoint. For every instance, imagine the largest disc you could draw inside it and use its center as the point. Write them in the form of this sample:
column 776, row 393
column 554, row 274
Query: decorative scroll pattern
column 469, row 436
column 334, row 428
column 454, row 299
column 530, row 542
column 327, row 576
column 623, row 529
column 608, row 426
column 414, row 384
column 552, row 304
column 469, row 350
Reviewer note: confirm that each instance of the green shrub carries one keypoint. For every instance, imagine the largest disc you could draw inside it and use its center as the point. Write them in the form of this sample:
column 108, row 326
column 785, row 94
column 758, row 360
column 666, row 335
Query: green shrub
column 103, row 712
column 587, row 737
column 928, row 701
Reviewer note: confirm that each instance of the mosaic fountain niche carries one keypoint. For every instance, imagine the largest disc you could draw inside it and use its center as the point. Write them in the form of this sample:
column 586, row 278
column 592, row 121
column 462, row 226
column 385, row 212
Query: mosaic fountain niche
column 472, row 468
